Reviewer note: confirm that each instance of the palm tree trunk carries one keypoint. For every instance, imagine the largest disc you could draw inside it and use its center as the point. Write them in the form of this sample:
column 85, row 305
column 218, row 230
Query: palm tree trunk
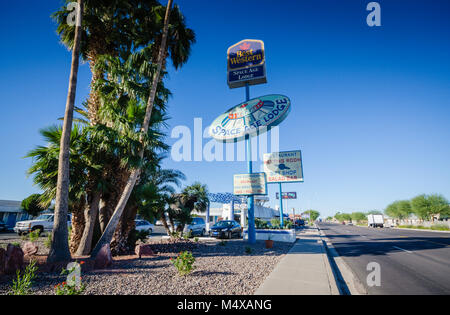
column 59, row 250
column 107, row 235
column 90, row 216
column 164, row 222
column 78, row 223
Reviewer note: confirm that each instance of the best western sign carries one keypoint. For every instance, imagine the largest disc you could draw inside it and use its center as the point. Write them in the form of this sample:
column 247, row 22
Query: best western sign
column 246, row 63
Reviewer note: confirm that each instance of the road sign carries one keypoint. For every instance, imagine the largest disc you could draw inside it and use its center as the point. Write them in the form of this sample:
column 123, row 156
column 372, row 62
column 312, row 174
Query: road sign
column 283, row 167
column 250, row 184
column 287, row 195
column 250, row 118
column 246, row 63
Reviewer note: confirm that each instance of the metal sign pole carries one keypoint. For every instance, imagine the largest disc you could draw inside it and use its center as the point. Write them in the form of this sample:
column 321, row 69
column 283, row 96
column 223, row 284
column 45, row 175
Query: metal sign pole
column 281, row 207
column 251, row 199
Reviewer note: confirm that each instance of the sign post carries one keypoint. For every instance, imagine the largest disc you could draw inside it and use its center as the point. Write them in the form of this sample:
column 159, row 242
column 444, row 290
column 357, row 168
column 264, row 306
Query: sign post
column 251, row 199
column 281, row 207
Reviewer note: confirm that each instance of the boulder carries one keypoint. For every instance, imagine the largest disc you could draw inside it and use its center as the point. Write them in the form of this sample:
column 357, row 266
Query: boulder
column 30, row 249
column 2, row 260
column 103, row 258
column 13, row 259
column 144, row 250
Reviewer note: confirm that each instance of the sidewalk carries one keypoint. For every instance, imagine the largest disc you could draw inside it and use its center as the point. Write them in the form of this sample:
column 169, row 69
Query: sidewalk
column 304, row 270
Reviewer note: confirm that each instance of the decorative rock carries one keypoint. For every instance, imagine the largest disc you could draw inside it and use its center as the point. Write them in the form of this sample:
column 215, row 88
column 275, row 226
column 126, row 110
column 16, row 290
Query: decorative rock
column 104, row 257
column 2, row 261
column 30, row 249
column 144, row 250
column 14, row 259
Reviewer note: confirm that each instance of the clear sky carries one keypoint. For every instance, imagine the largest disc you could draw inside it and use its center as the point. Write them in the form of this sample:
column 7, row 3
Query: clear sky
column 370, row 105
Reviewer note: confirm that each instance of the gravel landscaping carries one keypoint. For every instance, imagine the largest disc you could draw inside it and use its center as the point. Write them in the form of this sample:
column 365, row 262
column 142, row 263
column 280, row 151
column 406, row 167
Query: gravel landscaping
column 219, row 269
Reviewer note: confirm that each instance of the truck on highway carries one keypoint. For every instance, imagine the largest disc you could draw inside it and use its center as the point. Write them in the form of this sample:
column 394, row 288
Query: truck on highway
column 375, row 220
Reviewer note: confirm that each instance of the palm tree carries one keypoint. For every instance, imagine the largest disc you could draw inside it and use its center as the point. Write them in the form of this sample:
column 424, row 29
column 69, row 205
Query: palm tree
column 193, row 197
column 155, row 193
column 59, row 250
column 45, row 174
column 107, row 235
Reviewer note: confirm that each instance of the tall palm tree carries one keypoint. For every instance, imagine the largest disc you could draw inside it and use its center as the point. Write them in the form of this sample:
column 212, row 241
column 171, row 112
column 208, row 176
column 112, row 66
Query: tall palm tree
column 59, row 249
column 45, row 174
column 118, row 28
column 107, row 235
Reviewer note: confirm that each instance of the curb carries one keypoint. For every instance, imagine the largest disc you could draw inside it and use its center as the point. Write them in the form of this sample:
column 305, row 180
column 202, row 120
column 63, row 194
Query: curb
column 346, row 280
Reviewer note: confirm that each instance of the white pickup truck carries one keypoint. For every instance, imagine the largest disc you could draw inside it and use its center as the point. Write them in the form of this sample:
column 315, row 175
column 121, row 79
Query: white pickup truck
column 375, row 220
column 43, row 223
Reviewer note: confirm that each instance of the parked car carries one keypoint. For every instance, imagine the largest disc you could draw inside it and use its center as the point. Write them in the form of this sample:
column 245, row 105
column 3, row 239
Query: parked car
column 143, row 225
column 3, row 226
column 43, row 223
column 226, row 229
column 349, row 223
column 299, row 222
column 196, row 227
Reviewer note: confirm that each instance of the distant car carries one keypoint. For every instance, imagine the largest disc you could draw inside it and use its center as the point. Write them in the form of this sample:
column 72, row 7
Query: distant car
column 3, row 226
column 196, row 227
column 349, row 223
column 299, row 222
column 142, row 225
column 226, row 229
column 43, row 223
column 158, row 223
column 343, row 223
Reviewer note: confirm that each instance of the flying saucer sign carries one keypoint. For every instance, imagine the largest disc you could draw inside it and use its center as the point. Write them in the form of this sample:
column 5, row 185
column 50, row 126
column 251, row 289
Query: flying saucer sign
column 246, row 63
column 283, row 167
column 250, row 118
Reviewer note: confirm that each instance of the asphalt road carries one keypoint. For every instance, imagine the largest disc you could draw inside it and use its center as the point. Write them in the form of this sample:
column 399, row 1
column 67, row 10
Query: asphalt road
column 8, row 236
column 411, row 262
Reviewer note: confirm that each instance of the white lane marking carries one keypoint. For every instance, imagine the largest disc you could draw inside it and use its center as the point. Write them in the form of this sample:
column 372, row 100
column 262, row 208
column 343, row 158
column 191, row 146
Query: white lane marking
column 403, row 249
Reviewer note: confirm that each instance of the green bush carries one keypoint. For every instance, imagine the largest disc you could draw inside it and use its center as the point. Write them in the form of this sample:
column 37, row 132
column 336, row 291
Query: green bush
column 260, row 224
column 248, row 250
column 48, row 241
column 184, row 263
column 22, row 285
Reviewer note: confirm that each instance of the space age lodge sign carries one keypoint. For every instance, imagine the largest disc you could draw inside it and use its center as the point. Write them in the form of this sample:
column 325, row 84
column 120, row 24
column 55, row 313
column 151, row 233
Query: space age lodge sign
column 246, row 63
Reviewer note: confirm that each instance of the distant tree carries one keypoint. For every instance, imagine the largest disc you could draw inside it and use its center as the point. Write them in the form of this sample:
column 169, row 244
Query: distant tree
column 374, row 212
column 427, row 207
column 32, row 205
column 399, row 209
column 358, row 216
column 343, row 217
column 313, row 214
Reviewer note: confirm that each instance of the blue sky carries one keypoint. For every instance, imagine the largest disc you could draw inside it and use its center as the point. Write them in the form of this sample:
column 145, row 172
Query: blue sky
column 370, row 105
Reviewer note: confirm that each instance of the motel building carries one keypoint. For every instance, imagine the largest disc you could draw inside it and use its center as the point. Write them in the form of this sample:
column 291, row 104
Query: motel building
column 11, row 212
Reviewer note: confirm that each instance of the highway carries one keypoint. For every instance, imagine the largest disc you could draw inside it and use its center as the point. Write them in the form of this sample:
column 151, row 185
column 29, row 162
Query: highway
column 411, row 262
